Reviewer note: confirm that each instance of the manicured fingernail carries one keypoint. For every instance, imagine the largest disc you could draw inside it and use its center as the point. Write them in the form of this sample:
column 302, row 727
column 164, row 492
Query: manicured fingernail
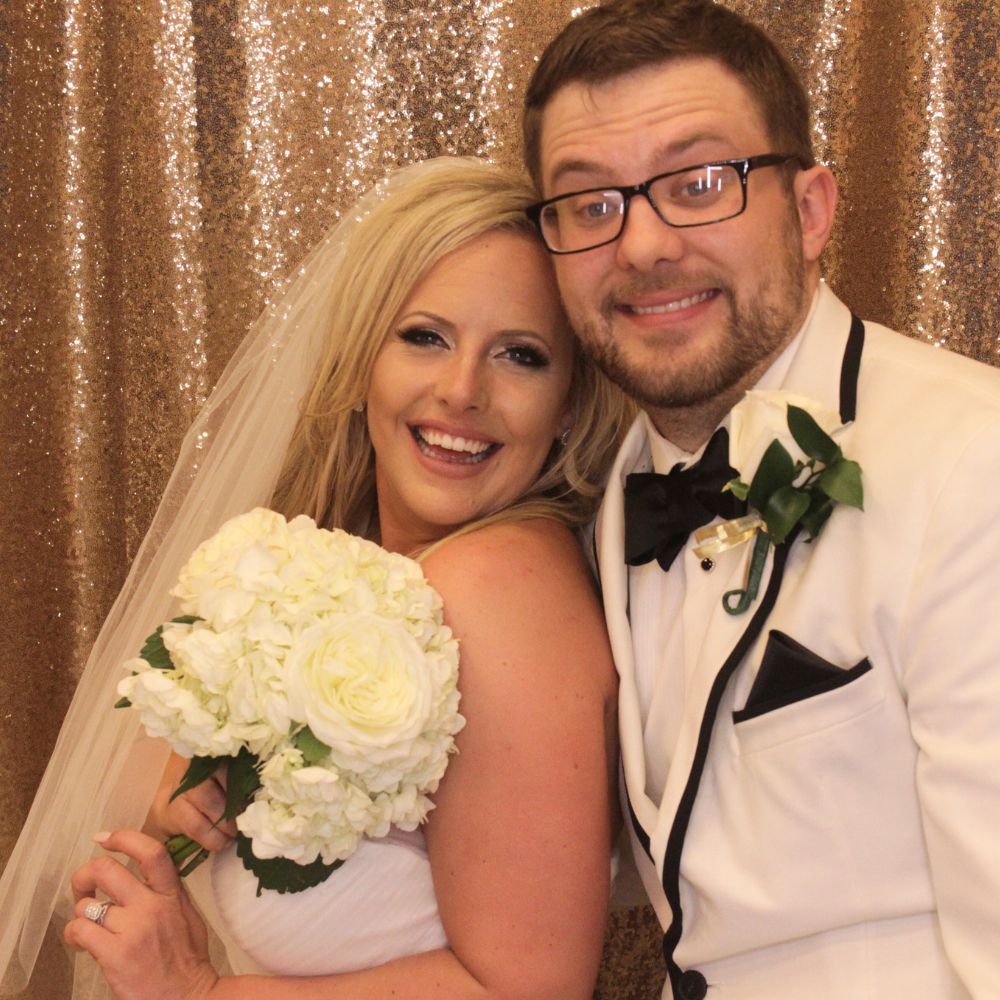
column 100, row 838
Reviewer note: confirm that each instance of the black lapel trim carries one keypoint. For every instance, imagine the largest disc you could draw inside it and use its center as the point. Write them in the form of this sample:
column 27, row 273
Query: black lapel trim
column 636, row 825
column 849, row 370
column 682, row 818
column 640, row 833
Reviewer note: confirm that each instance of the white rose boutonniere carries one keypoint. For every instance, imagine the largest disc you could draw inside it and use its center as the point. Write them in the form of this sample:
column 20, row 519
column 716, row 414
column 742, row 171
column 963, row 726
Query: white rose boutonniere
column 316, row 666
column 792, row 473
column 761, row 418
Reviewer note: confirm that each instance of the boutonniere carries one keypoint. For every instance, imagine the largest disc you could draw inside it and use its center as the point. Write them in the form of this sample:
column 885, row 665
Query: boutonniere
column 791, row 473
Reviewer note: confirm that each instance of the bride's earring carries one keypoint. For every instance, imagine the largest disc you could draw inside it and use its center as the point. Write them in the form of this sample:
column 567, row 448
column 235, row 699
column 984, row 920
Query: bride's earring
column 564, row 437
column 360, row 408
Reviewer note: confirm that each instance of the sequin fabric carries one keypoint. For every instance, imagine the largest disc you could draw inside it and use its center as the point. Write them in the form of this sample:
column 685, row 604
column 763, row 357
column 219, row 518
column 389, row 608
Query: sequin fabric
column 166, row 163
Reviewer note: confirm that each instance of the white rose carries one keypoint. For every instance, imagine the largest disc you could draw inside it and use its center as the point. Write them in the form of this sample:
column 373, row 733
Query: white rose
column 208, row 584
column 209, row 657
column 762, row 417
column 170, row 711
column 410, row 808
column 302, row 812
column 361, row 685
column 257, row 701
column 277, row 831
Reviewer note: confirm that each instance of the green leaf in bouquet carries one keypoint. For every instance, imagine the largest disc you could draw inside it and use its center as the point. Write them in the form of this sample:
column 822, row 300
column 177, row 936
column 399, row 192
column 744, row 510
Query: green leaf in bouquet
column 280, row 874
column 810, row 437
column 776, row 470
column 154, row 652
column 123, row 703
column 842, row 482
column 784, row 509
column 313, row 749
column 242, row 780
column 200, row 769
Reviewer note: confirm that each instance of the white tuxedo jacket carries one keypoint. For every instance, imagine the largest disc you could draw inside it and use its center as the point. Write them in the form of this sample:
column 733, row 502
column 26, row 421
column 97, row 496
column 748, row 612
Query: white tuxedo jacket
column 839, row 840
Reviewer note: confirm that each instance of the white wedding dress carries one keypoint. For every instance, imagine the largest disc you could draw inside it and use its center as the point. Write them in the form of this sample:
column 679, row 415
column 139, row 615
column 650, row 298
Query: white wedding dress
column 378, row 906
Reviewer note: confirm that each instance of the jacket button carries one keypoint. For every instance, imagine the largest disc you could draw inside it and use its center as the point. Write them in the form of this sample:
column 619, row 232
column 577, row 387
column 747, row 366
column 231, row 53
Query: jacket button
column 692, row 985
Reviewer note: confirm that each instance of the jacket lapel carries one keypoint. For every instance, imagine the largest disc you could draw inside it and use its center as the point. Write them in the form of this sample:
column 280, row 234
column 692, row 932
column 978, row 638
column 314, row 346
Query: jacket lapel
column 825, row 367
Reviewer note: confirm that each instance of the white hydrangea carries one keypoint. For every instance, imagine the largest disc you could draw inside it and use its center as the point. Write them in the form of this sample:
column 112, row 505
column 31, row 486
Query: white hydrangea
column 300, row 626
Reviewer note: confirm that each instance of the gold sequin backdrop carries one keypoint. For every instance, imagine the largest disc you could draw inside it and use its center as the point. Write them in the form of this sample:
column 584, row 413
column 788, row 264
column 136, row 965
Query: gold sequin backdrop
column 163, row 163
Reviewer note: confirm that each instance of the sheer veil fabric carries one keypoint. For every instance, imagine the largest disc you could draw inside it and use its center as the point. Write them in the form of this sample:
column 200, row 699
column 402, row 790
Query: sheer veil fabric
column 104, row 771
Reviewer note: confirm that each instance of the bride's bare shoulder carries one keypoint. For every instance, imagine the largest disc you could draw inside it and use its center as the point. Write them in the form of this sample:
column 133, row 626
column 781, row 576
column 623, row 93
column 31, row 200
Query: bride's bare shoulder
column 521, row 591
column 535, row 552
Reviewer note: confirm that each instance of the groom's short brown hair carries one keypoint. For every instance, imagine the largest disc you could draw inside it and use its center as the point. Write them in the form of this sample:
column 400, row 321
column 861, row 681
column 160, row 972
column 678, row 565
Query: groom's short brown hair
column 621, row 36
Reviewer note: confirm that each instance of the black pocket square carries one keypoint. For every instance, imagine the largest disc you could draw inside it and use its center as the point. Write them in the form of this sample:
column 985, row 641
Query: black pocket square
column 790, row 672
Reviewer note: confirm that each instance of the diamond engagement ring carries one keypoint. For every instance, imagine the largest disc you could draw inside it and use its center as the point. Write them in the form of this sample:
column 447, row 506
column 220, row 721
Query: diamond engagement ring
column 97, row 912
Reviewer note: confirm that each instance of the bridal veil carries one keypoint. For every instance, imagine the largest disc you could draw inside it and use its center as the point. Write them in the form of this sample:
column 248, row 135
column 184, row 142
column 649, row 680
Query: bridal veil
column 103, row 772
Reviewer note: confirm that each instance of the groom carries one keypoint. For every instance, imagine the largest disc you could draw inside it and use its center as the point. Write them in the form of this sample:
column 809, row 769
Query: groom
column 812, row 764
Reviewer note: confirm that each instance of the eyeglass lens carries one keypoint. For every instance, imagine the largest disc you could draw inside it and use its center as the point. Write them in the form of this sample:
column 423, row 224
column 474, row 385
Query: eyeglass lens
column 693, row 197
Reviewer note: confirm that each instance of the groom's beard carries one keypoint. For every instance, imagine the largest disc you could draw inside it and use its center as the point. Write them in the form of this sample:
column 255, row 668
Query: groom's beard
column 753, row 333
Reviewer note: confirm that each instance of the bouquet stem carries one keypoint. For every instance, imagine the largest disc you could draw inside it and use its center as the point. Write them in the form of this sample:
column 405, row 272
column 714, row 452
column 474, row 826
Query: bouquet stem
column 185, row 853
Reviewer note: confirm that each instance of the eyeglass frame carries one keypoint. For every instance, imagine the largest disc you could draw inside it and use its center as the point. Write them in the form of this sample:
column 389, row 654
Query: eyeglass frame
column 743, row 166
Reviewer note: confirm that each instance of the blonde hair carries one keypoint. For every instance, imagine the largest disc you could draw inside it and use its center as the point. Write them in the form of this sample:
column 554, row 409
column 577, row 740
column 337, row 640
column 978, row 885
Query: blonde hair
column 427, row 212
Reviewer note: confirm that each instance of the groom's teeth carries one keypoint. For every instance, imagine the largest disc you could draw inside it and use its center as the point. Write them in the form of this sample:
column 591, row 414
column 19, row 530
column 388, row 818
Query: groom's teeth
column 446, row 441
column 670, row 307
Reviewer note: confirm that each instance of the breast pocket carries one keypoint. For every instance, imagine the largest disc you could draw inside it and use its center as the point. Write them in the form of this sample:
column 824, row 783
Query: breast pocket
column 798, row 693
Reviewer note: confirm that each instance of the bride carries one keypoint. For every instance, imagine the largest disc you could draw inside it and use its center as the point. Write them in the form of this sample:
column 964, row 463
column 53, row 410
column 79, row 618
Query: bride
column 416, row 384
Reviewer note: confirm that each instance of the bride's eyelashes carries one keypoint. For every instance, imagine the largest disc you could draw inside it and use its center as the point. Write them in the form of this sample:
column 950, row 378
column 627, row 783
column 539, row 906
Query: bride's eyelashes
column 421, row 336
column 523, row 355
column 526, row 356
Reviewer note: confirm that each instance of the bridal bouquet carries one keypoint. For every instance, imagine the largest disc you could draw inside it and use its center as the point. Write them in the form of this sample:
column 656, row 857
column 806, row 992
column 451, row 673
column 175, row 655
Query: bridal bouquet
column 316, row 664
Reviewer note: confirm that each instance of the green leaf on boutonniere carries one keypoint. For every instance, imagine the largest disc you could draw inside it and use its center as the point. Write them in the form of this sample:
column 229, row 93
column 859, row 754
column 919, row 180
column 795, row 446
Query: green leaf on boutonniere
column 154, row 652
column 313, row 749
column 810, row 437
column 820, row 508
column 242, row 780
column 280, row 874
column 784, row 508
column 841, row 482
column 200, row 769
column 737, row 487
column 776, row 470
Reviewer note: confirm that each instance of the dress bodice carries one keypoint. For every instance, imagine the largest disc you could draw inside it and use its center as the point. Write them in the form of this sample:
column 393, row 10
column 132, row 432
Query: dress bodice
column 378, row 906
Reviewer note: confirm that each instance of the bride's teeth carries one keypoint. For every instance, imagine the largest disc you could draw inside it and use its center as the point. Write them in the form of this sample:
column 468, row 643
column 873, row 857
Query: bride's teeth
column 670, row 307
column 446, row 441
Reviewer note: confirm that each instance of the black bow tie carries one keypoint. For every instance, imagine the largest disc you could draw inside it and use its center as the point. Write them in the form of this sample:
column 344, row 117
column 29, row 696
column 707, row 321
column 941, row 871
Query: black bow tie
column 662, row 511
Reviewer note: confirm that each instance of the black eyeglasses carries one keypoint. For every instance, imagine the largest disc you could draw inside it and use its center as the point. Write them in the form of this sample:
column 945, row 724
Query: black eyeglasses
column 693, row 196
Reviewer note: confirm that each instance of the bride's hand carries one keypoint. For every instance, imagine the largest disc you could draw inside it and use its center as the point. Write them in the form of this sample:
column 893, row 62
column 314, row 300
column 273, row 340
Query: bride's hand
column 152, row 944
column 194, row 813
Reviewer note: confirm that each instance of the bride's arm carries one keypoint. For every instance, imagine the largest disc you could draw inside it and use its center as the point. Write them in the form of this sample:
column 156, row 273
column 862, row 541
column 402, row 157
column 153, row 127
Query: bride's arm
column 520, row 838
